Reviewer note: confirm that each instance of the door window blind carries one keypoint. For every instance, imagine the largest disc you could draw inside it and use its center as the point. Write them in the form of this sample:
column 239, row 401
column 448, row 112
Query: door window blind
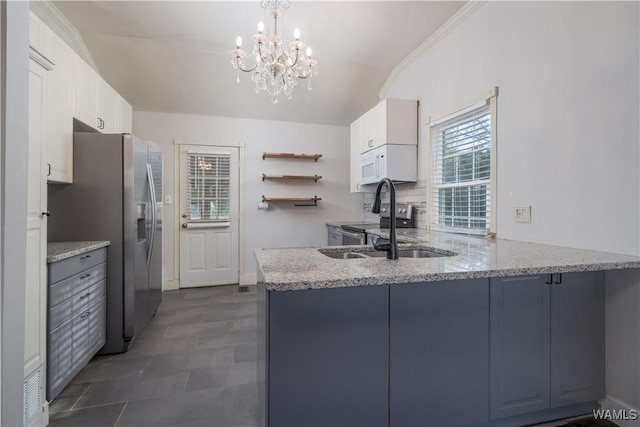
column 207, row 192
column 461, row 175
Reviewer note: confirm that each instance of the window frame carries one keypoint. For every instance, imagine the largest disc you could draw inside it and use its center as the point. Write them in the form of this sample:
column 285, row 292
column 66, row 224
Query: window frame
column 488, row 101
column 204, row 157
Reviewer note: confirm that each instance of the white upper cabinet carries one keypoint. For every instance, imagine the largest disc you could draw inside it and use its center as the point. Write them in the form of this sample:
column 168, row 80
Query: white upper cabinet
column 107, row 108
column 97, row 104
column 85, row 106
column 60, row 112
column 392, row 121
column 125, row 113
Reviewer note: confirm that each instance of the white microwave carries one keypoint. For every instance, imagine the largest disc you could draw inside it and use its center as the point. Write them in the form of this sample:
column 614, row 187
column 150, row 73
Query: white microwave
column 397, row 162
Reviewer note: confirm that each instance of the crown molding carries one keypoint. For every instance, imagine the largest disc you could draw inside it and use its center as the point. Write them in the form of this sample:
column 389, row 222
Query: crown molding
column 41, row 59
column 48, row 8
column 452, row 23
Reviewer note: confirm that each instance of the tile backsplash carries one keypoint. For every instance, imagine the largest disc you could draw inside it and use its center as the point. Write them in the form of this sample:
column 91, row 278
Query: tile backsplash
column 414, row 193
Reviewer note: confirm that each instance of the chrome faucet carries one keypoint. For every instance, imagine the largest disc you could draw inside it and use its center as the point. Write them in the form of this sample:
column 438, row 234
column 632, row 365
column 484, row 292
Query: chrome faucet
column 392, row 246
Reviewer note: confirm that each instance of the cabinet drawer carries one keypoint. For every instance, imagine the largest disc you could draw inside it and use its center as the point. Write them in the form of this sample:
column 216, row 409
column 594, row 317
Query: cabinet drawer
column 60, row 313
column 89, row 295
column 82, row 298
column 65, row 289
column 70, row 266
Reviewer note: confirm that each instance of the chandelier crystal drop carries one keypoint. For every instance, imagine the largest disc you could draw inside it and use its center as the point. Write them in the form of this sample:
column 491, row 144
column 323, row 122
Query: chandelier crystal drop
column 277, row 67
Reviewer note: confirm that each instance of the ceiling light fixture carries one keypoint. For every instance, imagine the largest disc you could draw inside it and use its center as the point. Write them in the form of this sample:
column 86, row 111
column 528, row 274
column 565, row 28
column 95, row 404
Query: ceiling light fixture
column 277, row 66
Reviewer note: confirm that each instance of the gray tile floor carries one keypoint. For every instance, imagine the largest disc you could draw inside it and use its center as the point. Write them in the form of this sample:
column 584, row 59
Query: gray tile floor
column 193, row 365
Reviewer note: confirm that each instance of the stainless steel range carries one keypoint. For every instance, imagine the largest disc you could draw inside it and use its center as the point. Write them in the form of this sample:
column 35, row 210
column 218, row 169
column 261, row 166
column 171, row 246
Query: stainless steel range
column 356, row 234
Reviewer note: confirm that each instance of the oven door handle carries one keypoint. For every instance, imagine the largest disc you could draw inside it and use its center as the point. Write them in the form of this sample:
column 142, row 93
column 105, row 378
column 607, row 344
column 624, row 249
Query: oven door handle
column 351, row 234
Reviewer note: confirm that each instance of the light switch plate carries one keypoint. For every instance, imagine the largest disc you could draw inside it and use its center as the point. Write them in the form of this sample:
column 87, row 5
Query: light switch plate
column 522, row 214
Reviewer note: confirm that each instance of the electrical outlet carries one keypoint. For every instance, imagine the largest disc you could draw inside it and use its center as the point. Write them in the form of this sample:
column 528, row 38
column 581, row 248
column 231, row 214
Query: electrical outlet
column 167, row 199
column 522, row 214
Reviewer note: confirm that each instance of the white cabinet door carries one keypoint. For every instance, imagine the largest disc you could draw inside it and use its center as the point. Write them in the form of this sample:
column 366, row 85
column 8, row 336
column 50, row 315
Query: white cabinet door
column 60, row 112
column 356, row 148
column 85, row 107
column 400, row 117
column 35, row 334
column 124, row 116
column 108, row 108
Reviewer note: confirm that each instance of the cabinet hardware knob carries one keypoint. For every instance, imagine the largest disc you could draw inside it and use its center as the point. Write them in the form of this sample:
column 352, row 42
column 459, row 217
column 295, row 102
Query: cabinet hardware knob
column 184, row 225
column 85, row 257
column 46, row 213
column 184, row 215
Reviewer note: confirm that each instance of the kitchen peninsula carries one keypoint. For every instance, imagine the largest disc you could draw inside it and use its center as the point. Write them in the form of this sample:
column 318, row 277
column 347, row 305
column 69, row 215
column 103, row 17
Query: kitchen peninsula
column 501, row 333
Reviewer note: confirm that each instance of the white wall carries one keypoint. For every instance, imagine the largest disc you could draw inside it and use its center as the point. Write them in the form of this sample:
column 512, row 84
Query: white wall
column 568, row 135
column 282, row 225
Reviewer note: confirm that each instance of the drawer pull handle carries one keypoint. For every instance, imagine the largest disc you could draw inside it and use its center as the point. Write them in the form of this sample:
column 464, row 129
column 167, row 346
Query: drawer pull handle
column 85, row 257
column 85, row 314
column 84, row 276
column 85, row 295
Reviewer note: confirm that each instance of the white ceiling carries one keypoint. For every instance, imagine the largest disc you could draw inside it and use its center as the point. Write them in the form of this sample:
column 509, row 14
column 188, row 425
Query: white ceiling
column 175, row 56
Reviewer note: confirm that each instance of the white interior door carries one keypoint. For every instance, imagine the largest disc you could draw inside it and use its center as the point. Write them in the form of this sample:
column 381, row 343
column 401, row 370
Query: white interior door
column 209, row 200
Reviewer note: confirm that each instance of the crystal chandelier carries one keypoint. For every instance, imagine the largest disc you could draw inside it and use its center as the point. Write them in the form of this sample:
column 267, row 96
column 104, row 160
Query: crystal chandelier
column 278, row 66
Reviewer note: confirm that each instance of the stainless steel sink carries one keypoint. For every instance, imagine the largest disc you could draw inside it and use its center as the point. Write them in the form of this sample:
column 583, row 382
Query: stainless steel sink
column 402, row 253
column 344, row 255
column 419, row 253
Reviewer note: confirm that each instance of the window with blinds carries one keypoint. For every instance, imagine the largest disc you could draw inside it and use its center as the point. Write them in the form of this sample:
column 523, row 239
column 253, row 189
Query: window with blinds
column 208, row 180
column 461, row 173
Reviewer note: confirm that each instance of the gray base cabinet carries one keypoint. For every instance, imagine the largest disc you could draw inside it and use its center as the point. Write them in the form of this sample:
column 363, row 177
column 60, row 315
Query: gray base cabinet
column 486, row 352
column 439, row 336
column 327, row 359
column 547, row 342
column 76, row 318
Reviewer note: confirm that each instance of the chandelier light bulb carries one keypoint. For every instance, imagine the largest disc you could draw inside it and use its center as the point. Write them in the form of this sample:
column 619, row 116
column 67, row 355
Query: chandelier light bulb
column 238, row 42
column 296, row 34
column 260, row 27
column 308, row 52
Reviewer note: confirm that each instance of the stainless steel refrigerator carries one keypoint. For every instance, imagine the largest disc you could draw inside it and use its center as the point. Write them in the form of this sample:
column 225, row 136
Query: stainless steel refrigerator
column 116, row 195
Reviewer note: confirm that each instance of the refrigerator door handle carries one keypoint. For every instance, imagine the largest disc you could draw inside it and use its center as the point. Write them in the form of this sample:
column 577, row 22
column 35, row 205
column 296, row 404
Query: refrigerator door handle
column 152, row 193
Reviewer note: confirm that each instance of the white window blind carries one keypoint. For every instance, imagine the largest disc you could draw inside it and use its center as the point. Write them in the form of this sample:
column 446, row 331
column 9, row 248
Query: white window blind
column 461, row 172
column 207, row 192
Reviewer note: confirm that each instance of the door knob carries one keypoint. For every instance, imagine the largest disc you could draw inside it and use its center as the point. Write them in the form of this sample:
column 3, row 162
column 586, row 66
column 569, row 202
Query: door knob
column 184, row 215
column 184, row 225
column 47, row 213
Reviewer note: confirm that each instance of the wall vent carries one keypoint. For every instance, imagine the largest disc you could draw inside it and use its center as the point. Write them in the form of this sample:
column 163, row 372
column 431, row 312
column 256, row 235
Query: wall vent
column 32, row 396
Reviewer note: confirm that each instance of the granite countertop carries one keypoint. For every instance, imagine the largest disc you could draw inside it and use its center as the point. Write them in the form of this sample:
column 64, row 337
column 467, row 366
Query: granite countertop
column 287, row 269
column 57, row 251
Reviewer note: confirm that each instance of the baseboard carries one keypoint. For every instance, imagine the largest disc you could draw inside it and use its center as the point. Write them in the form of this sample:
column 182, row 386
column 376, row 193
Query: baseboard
column 248, row 279
column 171, row 285
column 624, row 414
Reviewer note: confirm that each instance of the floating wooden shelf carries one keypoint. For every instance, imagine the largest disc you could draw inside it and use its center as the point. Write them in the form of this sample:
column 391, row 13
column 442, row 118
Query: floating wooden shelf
column 313, row 200
column 314, row 178
column 314, row 157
